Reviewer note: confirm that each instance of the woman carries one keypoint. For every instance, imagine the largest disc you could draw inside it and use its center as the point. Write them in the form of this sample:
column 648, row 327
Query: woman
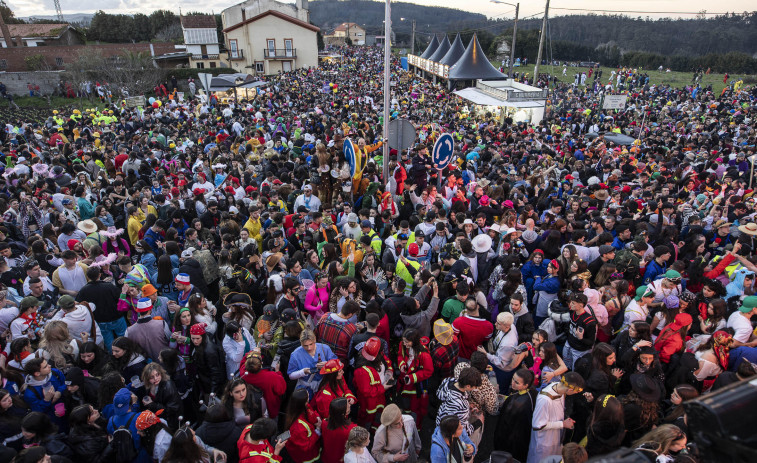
column 514, row 420
column 317, row 297
column 713, row 358
column 127, row 358
column 450, row 443
column 637, row 331
column 338, row 427
column 369, row 382
column 28, row 323
column 545, row 289
column 159, row 393
column 38, row 430
column 88, row 440
column 154, row 435
column 716, row 317
column 271, row 383
column 243, row 402
column 12, row 411
column 416, row 367
column 239, row 309
column 567, row 257
column 641, row 407
column 535, row 267
column 218, row 430
column 57, row 346
column 672, row 338
column 677, row 414
column 237, row 342
column 185, row 447
column 182, row 323
column 602, row 375
column 165, row 277
column 114, row 244
column 147, row 258
column 332, row 387
column 606, row 428
column 304, row 425
column 92, row 359
column 662, row 444
column 551, row 365
column 254, row 440
column 209, row 366
column 204, row 312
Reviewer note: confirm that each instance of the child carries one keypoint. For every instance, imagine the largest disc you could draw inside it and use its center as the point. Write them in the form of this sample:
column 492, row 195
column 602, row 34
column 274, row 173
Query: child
column 357, row 441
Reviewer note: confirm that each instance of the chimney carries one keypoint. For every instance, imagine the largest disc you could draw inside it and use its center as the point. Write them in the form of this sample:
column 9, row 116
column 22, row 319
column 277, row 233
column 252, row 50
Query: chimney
column 6, row 33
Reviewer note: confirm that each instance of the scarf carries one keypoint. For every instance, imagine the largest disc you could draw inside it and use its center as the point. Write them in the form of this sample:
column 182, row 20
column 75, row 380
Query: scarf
column 721, row 346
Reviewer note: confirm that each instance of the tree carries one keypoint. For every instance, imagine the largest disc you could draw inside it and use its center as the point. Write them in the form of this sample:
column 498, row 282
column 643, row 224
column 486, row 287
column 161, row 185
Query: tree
column 319, row 38
column 8, row 15
column 348, row 41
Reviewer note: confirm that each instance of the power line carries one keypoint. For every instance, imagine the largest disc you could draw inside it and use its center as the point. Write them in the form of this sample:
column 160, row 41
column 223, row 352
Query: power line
column 643, row 12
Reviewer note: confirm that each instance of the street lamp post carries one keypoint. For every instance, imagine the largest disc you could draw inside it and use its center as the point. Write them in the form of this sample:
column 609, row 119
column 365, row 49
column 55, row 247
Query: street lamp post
column 515, row 32
column 387, row 59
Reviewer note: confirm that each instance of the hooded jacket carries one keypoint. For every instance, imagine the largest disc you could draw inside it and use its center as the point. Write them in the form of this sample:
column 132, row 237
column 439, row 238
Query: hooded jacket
column 440, row 449
column 222, row 436
column 192, row 268
column 736, row 287
column 454, row 402
column 79, row 321
column 34, row 394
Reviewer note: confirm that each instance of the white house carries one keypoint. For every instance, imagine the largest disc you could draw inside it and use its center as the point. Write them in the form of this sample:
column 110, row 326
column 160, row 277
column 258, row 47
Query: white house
column 201, row 39
column 267, row 37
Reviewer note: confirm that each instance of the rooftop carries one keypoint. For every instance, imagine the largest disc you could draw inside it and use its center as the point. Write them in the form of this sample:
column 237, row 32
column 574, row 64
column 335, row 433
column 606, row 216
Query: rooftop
column 198, row 21
column 37, row 30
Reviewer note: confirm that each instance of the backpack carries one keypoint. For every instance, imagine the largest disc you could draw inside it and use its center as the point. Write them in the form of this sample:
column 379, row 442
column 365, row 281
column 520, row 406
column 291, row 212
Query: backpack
column 123, row 443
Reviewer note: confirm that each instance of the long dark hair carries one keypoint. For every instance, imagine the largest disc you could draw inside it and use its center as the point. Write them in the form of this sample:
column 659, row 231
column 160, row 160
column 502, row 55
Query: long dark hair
column 298, row 404
column 130, row 348
column 250, row 407
column 165, row 270
column 599, row 356
column 414, row 336
column 338, row 413
column 184, row 449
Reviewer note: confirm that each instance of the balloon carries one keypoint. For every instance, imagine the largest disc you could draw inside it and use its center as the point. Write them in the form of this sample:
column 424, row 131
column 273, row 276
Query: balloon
column 172, row 146
column 155, row 104
column 151, row 100
column 331, row 85
column 335, row 90
column 160, row 103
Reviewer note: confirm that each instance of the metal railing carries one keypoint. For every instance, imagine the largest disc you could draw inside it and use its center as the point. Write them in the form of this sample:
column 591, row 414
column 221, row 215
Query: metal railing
column 279, row 53
column 239, row 54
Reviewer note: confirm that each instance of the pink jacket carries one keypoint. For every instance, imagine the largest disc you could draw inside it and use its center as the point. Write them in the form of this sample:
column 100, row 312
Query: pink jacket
column 312, row 297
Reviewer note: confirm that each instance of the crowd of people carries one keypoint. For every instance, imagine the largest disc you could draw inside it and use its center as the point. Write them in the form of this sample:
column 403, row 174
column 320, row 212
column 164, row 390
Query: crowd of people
column 194, row 283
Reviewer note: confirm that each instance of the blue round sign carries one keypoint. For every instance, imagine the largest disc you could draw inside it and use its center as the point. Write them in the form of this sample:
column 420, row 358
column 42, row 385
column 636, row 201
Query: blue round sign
column 444, row 149
column 349, row 155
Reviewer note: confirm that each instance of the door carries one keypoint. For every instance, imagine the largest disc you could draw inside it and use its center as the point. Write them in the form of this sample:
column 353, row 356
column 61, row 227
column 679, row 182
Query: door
column 234, row 48
column 271, row 48
column 287, row 66
column 288, row 48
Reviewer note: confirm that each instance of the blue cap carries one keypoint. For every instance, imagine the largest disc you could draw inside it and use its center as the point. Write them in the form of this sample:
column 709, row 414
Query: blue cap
column 365, row 224
column 122, row 400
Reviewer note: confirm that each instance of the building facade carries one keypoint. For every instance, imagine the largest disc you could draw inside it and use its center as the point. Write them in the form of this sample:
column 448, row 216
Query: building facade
column 201, row 40
column 265, row 37
column 351, row 30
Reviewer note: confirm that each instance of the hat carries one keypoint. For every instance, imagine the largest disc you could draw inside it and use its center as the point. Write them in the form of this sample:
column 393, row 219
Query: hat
column 273, row 260
column 371, row 349
column 187, row 253
column 529, row 236
column 721, row 223
column 121, row 401
column 747, row 305
column 605, row 249
column 467, row 222
column 233, row 210
column 484, row 201
column 182, row 278
column 390, row 415
column 640, row 292
column 288, row 315
column 602, row 195
column 351, row 217
column 646, row 387
column 270, row 313
column 508, row 204
column 688, row 296
column 332, row 366
column 147, row 419
column 198, row 329
column 66, row 302
column 75, row 377
column 482, row 243
column 749, row 229
column 673, row 276
column 112, row 232
column 144, row 304
column 443, row 332
column 29, row 301
column 148, row 290
column 671, row 301
column 87, row 226
column 449, row 251
column 682, row 319
column 365, row 224
column 306, row 187
column 66, row 202
column 413, row 249
column 554, row 263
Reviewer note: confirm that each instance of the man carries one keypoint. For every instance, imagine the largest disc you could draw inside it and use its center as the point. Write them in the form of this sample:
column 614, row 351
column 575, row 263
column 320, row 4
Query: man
column 104, row 297
column 137, row 274
column 503, row 359
column 659, row 265
column 33, row 270
column 151, row 334
column 306, row 362
column 444, row 349
column 211, row 218
column 191, row 267
column 606, row 254
column 628, row 261
column 307, row 199
column 454, row 396
column 472, row 330
column 336, row 330
column 524, row 321
column 375, row 240
column 623, row 237
column 79, row 318
column 44, row 388
column 46, row 299
column 291, row 298
column 186, row 290
column 582, row 331
column 454, row 306
column 549, row 417
column 134, row 224
column 70, row 277
column 155, row 236
column 740, row 322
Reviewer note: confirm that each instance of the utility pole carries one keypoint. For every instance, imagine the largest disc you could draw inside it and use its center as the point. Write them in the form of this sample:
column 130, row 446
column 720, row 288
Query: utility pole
column 387, row 96
column 541, row 43
column 512, row 45
column 412, row 45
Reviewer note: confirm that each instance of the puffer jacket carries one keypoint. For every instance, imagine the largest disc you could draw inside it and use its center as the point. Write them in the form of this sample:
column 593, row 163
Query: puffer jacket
column 90, row 445
column 222, row 436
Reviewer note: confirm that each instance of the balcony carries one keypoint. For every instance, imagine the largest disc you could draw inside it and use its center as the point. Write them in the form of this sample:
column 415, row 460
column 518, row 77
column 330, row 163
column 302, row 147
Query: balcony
column 237, row 55
column 279, row 53
column 197, row 57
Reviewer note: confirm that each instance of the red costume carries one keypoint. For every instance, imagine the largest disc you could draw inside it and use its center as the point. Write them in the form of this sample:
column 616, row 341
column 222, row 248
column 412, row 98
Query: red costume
column 370, row 395
column 412, row 381
column 336, row 438
column 325, row 395
column 255, row 453
column 304, row 444
column 271, row 383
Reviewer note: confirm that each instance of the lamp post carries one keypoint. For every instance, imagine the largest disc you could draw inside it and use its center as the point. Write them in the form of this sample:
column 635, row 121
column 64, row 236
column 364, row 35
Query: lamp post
column 515, row 32
column 387, row 56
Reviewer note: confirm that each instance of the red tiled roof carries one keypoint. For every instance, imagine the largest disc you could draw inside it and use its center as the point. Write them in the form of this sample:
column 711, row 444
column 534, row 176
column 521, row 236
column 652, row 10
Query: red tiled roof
column 283, row 16
column 199, row 21
column 37, row 30
column 343, row 27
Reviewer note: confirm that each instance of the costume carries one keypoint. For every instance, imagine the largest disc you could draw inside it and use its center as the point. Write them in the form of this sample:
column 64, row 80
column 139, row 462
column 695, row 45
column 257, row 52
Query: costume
column 325, row 395
column 514, row 423
column 304, row 444
column 370, row 394
column 413, row 383
column 546, row 424
column 255, row 453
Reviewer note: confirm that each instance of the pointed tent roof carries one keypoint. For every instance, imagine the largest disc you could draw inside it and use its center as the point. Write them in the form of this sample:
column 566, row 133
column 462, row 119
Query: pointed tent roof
column 431, row 47
column 442, row 50
column 474, row 65
column 454, row 53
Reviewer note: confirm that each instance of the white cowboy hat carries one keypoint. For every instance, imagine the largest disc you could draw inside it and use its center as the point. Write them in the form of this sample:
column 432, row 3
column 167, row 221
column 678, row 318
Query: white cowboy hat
column 87, row 226
column 482, row 243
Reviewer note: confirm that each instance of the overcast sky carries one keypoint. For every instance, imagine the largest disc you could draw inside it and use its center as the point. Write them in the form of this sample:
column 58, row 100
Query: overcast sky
column 25, row 8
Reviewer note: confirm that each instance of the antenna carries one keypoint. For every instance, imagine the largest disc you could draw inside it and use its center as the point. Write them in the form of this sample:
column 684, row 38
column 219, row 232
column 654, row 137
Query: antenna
column 58, row 11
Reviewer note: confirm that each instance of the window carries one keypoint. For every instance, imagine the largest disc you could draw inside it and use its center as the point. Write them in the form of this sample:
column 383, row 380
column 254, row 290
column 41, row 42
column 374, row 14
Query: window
column 59, row 62
column 3, row 64
column 271, row 47
column 259, row 67
column 200, row 65
column 234, row 48
column 212, row 64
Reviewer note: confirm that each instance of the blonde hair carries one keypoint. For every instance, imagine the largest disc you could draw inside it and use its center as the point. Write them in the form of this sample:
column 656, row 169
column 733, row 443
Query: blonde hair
column 307, row 335
column 56, row 342
column 505, row 318
column 662, row 436
column 356, row 438
column 149, row 369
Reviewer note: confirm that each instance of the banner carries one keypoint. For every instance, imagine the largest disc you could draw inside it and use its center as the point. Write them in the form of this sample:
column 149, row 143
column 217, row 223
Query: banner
column 443, row 151
column 349, row 155
column 135, row 101
column 615, row 102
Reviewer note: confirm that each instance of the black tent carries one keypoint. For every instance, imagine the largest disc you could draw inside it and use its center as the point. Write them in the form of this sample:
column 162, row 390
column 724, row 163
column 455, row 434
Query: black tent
column 454, row 53
column 441, row 50
column 431, row 48
column 474, row 65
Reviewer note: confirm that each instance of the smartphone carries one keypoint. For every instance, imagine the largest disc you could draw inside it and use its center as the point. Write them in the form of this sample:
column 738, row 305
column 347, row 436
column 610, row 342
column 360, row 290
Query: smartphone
column 391, row 382
column 283, row 436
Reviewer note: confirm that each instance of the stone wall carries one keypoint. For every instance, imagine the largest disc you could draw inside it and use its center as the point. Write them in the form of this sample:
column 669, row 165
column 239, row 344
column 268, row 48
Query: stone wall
column 16, row 82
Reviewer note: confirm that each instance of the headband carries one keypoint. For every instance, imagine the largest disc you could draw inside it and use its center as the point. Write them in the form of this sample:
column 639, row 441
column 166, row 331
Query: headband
column 607, row 398
column 573, row 388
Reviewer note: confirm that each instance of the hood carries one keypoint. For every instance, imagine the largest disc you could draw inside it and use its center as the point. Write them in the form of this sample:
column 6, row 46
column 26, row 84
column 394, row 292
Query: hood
column 30, row 381
column 738, row 281
column 148, row 259
column 212, row 433
column 523, row 311
column 191, row 262
column 79, row 314
column 446, row 392
column 438, row 439
column 593, row 296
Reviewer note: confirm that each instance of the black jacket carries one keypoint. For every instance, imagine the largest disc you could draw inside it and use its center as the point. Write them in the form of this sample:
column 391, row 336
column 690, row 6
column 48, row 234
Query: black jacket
column 105, row 298
column 222, row 436
column 192, row 268
column 210, row 366
column 90, row 445
column 166, row 399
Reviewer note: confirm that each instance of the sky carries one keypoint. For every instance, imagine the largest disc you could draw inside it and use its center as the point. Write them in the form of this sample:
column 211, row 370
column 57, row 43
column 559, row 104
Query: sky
column 24, row 8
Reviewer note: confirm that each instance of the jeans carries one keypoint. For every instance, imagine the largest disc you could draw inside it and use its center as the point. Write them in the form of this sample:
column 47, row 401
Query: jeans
column 570, row 356
column 504, row 378
column 111, row 331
